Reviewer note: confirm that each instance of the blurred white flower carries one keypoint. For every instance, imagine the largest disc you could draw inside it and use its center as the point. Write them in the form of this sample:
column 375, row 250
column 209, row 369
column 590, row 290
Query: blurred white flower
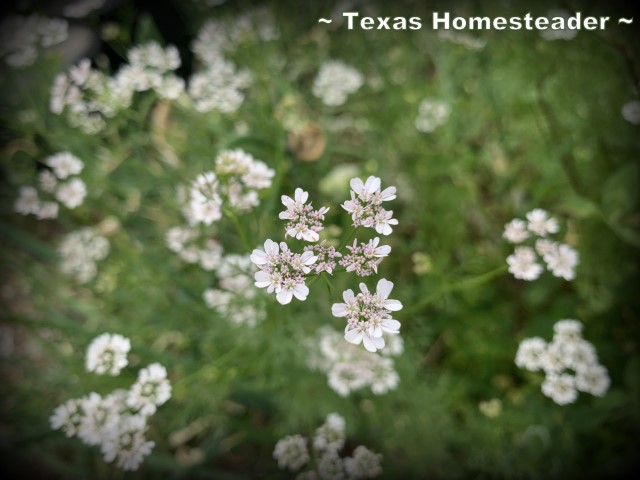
column 28, row 201
column 219, row 87
column 363, row 463
column 522, row 264
column 631, row 112
column 335, row 81
column 64, row 164
column 291, row 452
column 22, row 37
column 531, row 353
column 151, row 390
column 107, row 353
column 515, row 231
column 432, row 114
column 79, row 251
column 593, row 379
column 560, row 388
column 562, row 261
column 540, row 223
column 331, row 434
column 72, row 193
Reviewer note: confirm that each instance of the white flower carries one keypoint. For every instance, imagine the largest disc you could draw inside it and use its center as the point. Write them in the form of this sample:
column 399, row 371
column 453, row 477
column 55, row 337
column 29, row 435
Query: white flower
column 47, row 210
column 579, row 354
column 554, row 359
column 363, row 463
column 79, row 252
column 335, row 81
column 64, row 164
column 48, row 181
column 127, row 443
column 304, row 222
column 282, row 271
column 366, row 208
column 368, row 315
column 101, row 418
column 330, row 466
column 631, row 112
column 522, row 264
column 540, row 223
column 219, row 87
column 206, row 204
column 560, row 388
column 107, row 353
column 152, row 389
column 27, row 201
column 593, row 379
column 545, row 246
column 344, row 377
column 432, row 114
column 331, row 434
column 291, row 452
column 567, row 329
column 67, row 417
column 562, row 261
column 531, row 352
column 516, row 231
column 72, row 193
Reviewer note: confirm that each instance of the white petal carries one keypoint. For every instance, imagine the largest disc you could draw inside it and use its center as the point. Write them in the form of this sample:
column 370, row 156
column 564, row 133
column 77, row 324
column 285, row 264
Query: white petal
column 259, row 257
column 284, row 296
column 354, row 336
column 392, row 305
column 384, row 287
column 339, row 310
column 301, row 291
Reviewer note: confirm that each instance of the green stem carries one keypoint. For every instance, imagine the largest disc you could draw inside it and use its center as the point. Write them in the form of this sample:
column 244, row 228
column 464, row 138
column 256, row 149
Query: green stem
column 241, row 233
column 462, row 285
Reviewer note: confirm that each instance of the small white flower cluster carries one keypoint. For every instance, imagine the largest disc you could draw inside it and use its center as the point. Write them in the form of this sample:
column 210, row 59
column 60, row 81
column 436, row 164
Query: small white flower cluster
column 631, row 112
column 292, row 453
column 335, row 81
column 350, row 368
column 188, row 243
column 561, row 259
column 219, row 87
column 284, row 272
column 117, row 422
column 235, row 181
column 561, row 33
column 432, row 114
column 304, row 222
column 21, row 37
column 218, row 37
column 79, row 251
column 364, row 258
column 87, row 97
column 57, row 183
column 150, row 67
column 366, row 208
column 369, row 315
column 107, row 353
column 234, row 298
column 570, row 363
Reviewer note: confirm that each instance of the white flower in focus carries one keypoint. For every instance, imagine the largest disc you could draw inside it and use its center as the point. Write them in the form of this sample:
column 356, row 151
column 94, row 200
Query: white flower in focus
column 335, row 81
column 522, row 264
column 516, row 231
column 363, row 463
column 593, row 379
column 540, row 223
column 368, row 315
column 366, row 208
column 107, row 353
column 562, row 261
column 531, row 352
column 631, row 112
column 560, row 388
column 282, row 271
column 291, row 452
column 304, row 222
column 72, row 193
column 151, row 390
column 64, row 164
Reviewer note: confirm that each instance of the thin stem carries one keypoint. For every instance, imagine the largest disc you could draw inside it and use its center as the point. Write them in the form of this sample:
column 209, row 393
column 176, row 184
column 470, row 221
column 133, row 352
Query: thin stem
column 236, row 223
column 462, row 285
